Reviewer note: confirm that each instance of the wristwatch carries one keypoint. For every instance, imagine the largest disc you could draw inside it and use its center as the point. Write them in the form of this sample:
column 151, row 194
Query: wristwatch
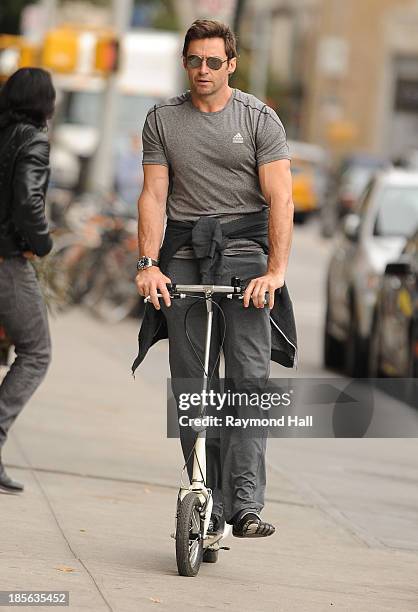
column 145, row 262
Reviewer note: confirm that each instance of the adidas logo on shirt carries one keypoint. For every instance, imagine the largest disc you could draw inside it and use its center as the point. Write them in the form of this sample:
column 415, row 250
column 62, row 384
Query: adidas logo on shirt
column 238, row 139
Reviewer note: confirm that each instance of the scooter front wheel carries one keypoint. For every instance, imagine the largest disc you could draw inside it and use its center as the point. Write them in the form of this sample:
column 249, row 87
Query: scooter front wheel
column 189, row 535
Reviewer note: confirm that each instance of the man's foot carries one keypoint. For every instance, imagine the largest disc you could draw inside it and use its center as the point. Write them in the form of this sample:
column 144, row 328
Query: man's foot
column 215, row 530
column 7, row 484
column 216, row 525
column 250, row 525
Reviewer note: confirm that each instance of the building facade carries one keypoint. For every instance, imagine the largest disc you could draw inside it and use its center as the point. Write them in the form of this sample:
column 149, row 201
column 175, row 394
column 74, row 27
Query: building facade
column 361, row 76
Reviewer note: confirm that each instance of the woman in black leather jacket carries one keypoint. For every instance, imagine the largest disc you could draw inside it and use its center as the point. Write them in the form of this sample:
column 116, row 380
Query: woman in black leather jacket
column 26, row 103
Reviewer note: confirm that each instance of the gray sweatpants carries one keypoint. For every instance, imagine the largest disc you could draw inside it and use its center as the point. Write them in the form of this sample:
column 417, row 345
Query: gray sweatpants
column 235, row 461
column 24, row 317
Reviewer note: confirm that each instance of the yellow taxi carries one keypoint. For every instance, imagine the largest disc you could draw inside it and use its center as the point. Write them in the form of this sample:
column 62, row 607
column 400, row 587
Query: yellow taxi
column 308, row 176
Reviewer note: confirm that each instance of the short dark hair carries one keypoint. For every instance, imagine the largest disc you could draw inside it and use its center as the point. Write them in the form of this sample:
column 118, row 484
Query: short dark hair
column 209, row 28
column 28, row 95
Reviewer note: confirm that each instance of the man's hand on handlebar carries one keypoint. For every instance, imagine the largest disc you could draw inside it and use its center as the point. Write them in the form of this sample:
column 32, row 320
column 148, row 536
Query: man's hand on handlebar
column 258, row 287
column 152, row 281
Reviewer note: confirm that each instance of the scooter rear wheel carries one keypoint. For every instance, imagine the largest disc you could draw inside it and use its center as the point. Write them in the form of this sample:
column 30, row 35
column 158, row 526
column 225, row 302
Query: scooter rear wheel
column 210, row 556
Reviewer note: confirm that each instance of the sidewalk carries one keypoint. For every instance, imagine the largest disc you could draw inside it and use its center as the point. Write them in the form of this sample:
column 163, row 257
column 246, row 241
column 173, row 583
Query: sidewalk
column 98, row 509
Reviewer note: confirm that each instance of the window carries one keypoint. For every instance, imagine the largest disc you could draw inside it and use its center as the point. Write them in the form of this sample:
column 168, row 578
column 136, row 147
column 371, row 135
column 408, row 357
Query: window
column 397, row 213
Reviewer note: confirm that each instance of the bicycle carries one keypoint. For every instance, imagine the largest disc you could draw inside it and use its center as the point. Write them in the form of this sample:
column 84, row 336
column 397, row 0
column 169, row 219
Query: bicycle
column 194, row 502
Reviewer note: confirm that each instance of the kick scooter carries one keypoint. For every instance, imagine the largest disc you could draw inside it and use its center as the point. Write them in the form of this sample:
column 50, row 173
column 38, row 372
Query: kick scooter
column 194, row 501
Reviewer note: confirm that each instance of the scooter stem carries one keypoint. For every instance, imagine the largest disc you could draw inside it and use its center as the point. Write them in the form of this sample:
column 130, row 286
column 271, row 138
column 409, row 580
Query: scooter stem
column 199, row 467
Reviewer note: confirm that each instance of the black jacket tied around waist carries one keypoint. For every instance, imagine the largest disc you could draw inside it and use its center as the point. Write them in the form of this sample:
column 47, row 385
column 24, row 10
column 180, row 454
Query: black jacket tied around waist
column 209, row 238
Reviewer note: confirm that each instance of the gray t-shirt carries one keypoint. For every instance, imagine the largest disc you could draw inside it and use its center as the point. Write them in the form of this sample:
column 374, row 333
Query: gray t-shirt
column 213, row 158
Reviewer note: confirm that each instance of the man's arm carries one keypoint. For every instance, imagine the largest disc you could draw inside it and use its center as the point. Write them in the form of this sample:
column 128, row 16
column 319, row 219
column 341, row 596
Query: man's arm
column 151, row 210
column 151, row 213
column 276, row 186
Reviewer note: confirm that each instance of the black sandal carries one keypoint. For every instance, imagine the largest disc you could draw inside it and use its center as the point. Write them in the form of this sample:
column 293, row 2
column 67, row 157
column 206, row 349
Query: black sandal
column 216, row 525
column 250, row 525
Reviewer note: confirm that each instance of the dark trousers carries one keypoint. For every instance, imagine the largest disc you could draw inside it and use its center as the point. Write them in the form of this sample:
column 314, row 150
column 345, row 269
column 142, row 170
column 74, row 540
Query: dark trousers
column 235, row 461
column 24, row 317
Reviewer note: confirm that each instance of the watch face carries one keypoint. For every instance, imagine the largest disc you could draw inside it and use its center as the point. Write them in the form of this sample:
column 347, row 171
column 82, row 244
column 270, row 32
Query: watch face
column 141, row 264
column 144, row 262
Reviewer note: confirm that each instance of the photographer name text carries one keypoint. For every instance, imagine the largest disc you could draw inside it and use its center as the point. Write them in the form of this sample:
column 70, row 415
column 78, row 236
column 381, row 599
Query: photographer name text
column 231, row 421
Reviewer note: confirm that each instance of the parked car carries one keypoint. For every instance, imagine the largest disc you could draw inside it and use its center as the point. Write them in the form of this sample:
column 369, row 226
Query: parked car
column 308, row 176
column 345, row 187
column 409, row 159
column 372, row 236
column 394, row 340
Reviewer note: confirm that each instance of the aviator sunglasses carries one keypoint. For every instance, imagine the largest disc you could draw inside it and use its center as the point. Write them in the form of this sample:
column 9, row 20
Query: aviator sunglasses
column 214, row 63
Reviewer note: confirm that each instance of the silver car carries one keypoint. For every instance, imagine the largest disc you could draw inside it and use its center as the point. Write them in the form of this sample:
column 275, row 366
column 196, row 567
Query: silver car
column 385, row 216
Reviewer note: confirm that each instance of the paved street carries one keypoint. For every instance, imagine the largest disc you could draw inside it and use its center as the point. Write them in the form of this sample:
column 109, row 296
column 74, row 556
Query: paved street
column 101, row 481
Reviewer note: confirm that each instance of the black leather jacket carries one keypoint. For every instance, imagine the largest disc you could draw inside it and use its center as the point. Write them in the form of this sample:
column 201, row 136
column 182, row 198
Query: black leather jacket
column 24, row 174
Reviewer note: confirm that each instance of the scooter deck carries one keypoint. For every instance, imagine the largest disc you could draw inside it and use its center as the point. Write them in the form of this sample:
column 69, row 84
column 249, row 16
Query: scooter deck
column 216, row 538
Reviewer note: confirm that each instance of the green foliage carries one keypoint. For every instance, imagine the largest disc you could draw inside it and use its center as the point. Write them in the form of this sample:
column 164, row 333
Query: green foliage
column 97, row 2
column 276, row 93
column 10, row 11
column 286, row 99
column 240, row 79
column 165, row 16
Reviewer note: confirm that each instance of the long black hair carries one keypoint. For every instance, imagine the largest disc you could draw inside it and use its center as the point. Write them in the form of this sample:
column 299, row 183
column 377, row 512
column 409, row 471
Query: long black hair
column 27, row 96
